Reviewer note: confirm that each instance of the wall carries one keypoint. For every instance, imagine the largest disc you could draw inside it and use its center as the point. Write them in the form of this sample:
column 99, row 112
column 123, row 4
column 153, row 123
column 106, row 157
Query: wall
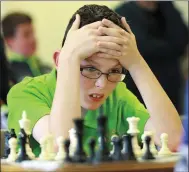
column 51, row 18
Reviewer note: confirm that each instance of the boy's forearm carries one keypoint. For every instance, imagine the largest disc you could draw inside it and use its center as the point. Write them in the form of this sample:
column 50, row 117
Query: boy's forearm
column 66, row 103
column 163, row 115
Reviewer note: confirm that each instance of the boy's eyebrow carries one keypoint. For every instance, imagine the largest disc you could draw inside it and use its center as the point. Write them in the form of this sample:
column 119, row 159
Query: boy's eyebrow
column 97, row 64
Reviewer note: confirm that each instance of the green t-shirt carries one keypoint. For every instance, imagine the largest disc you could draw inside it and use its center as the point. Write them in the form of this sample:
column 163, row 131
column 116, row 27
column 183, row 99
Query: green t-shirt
column 35, row 96
column 32, row 61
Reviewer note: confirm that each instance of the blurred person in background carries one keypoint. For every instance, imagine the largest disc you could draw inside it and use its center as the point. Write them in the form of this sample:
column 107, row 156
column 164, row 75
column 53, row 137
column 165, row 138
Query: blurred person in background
column 20, row 38
column 6, row 80
column 162, row 39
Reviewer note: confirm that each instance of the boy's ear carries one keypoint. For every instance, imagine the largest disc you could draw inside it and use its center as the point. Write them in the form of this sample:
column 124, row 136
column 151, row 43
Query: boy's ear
column 56, row 57
column 9, row 41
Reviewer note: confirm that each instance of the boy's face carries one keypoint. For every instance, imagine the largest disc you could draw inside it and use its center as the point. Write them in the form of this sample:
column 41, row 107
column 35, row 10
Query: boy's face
column 101, row 86
column 23, row 42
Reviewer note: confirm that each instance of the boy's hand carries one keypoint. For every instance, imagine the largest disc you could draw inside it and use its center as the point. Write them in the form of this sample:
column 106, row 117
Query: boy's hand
column 83, row 42
column 126, row 45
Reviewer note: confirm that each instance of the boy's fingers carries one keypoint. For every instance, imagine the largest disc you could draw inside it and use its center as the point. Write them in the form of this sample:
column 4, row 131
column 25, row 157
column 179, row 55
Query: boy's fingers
column 125, row 24
column 76, row 23
column 110, row 24
column 94, row 25
column 110, row 31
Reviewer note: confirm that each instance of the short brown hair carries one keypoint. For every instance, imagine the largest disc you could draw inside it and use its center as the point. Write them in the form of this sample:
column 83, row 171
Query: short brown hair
column 11, row 21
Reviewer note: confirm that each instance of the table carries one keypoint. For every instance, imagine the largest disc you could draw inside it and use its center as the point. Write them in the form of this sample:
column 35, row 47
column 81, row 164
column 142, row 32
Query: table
column 105, row 167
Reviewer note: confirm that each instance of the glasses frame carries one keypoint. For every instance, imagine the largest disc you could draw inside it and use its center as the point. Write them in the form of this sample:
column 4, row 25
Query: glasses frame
column 124, row 72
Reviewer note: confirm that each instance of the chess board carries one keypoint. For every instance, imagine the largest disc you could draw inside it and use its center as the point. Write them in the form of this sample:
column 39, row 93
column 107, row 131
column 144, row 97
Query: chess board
column 160, row 164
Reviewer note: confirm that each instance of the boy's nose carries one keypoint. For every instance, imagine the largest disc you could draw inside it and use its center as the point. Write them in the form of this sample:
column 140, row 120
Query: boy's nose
column 101, row 82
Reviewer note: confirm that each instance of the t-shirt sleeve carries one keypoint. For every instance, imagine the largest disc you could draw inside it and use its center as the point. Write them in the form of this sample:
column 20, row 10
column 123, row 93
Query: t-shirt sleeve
column 26, row 97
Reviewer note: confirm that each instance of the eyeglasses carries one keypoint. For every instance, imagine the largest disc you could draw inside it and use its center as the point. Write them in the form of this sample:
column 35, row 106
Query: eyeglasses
column 93, row 73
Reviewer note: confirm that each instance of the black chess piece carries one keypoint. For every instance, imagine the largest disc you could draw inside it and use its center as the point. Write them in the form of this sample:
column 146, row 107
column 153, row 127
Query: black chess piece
column 79, row 154
column 102, row 153
column 8, row 135
column 66, row 148
column 117, row 155
column 22, row 141
column 127, row 150
column 12, row 133
column 92, row 144
column 148, row 154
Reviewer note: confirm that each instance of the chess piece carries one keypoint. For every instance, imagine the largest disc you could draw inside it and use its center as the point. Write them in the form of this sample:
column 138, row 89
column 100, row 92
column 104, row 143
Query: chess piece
column 112, row 140
column 116, row 154
column 127, row 151
column 13, row 145
column 8, row 136
column 29, row 151
column 67, row 158
column 148, row 154
column 92, row 150
column 22, row 140
column 25, row 124
column 133, row 130
column 73, row 141
column 133, row 122
column 44, row 153
column 164, row 151
column 61, row 153
column 152, row 144
column 79, row 154
column 50, row 146
column 102, row 154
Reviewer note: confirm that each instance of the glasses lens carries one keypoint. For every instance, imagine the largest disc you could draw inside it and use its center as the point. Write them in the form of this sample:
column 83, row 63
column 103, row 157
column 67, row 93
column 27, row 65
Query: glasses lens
column 116, row 77
column 91, row 73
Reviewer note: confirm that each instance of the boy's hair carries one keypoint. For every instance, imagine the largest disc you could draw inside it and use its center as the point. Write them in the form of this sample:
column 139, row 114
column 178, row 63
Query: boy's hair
column 93, row 13
column 11, row 21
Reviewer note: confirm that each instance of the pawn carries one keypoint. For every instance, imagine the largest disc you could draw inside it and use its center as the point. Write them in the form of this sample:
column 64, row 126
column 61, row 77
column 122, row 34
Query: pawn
column 66, row 148
column 92, row 144
column 12, row 145
column 44, row 153
column 61, row 153
column 147, row 154
column 50, row 146
column 164, row 151
column 112, row 140
column 8, row 136
column 127, row 151
column 117, row 155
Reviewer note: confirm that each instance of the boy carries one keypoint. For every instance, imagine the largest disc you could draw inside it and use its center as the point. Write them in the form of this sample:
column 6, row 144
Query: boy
column 20, row 38
column 97, row 44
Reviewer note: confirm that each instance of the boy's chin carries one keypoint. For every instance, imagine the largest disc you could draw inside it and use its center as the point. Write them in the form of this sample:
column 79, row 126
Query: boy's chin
column 91, row 107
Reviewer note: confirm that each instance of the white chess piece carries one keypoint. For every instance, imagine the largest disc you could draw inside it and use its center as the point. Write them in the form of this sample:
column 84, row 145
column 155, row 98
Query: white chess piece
column 50, row 146
column 44, row 153
column 164, row 151
column 73, row 141
column 61, row 152
column 152, row 144
column 136, row 148
column 143, row 142
column 133, row 130
column 133, row 125
column 29, row 151
column 112, row 151
column 25, row 123
column 12, row 145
